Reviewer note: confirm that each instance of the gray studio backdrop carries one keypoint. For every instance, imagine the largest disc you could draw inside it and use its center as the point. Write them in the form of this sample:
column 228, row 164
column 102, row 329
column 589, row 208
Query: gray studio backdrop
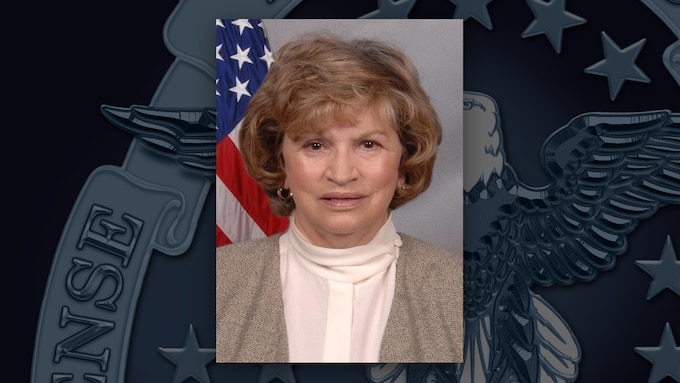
column 436, row 48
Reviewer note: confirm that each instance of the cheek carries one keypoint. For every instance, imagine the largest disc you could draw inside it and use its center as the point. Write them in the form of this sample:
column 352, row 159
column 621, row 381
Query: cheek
column 300, row 173
column 386, row 175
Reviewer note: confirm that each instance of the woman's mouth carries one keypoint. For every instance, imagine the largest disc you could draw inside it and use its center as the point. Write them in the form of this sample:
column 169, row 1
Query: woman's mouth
column 342, row 200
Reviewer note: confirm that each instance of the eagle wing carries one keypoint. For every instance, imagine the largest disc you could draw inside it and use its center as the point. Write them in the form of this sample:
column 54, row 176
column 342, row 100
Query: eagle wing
column 610, row 170
column 185, row 134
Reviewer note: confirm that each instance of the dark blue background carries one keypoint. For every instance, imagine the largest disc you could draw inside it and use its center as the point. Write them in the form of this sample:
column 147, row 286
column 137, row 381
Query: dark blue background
column 76, row 58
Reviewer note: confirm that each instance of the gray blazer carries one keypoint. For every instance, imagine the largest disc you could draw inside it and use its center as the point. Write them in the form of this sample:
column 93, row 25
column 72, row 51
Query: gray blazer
column 425, row 324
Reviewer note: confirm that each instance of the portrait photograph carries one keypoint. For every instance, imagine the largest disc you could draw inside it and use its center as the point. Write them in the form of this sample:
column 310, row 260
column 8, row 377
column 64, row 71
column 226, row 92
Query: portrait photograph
column 339, row 191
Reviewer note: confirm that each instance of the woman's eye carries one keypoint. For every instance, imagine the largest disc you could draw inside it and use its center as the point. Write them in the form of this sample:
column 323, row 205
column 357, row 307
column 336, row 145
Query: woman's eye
column 369, row 144
column 314, row 145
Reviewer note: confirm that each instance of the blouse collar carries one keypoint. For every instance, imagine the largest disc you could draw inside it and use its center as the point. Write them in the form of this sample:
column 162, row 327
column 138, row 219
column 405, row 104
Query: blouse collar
column 350, row 265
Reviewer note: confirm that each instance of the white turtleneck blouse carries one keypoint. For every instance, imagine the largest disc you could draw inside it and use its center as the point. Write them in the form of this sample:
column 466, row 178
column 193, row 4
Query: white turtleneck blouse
column 337, row 301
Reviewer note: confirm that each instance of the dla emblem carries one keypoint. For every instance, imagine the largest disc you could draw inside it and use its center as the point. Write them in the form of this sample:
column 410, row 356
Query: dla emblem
column 609, row 171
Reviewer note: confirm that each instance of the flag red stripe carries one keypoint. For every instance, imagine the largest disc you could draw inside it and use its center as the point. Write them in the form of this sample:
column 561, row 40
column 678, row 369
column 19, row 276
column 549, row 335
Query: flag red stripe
column 232, row 219
column 232, row 172
column 220, row 237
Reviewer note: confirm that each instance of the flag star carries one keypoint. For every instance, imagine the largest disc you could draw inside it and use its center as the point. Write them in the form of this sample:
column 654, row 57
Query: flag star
column 389, row 9
column 665, row 271
column 618, row 65
column 240, row 89
column 190, row 360
column 217, row 52
column 219, row 23
column 551, row 19
column 267, row 57
column 241, row 56
column 242, row 24
column 217, row 91
column 473, row 8
column 664, row 358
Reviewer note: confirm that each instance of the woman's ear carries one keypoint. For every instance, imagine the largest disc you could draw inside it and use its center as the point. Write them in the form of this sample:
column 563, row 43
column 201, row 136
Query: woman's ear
column 402, row 180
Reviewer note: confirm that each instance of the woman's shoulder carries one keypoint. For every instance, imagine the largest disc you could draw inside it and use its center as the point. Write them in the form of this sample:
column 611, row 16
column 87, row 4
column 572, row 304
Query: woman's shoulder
column 258, row 245
column 426, row 251
column 247, row 254
column 241, row 264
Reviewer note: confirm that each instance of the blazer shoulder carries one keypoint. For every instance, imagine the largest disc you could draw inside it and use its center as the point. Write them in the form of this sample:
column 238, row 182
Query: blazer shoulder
column 426, row 252
column 249, row 248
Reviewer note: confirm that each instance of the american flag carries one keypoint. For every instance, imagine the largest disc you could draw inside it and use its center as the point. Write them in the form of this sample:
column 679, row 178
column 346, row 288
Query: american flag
column 243, row 58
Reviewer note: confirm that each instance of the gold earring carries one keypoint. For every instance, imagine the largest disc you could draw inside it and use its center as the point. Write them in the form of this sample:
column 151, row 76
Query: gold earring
column 284, row 194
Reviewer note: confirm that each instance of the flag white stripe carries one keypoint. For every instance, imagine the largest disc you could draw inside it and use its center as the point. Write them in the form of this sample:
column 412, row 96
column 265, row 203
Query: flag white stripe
column 234, row 135
column 231, row 218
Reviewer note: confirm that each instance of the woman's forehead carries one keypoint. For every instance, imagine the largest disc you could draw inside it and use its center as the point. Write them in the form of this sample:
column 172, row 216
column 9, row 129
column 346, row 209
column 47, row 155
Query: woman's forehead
column 373, row 118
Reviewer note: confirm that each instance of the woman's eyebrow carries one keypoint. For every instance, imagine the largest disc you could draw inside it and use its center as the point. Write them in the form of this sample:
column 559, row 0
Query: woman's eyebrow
column 375, row 132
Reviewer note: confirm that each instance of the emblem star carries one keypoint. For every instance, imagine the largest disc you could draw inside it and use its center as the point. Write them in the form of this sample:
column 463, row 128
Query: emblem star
column 279, row 371
column 189, row 360
column 475, row 9
column 241, row 56
column 618, row 65
column 267, row 57
column 389, row 9
column 665, row 271
column 242, row 24
column 551, row 19
column 219, row 23
column 240, row 89
column 664, row 358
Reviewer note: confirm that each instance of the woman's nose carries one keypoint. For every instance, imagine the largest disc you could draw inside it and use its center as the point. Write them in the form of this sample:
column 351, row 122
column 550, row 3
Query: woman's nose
column 341, row 167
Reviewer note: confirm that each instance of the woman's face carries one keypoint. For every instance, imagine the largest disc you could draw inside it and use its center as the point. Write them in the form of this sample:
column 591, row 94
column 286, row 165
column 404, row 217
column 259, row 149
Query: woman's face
column 343, row 180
